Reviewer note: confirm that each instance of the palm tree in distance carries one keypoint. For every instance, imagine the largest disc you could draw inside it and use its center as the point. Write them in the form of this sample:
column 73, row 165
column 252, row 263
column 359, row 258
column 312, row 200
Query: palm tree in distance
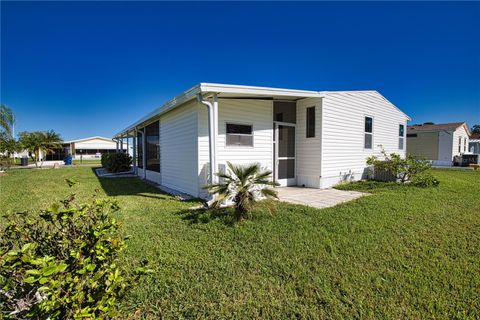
column 7, row 120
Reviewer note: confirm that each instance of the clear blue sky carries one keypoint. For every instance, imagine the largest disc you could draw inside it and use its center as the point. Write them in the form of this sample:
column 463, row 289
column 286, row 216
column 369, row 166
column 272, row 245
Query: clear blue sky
column 92, row 68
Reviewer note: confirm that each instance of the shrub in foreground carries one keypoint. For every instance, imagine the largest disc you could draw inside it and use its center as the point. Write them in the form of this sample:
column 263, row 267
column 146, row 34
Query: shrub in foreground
column 62, row 262
column 116, row 162
column 404, row 170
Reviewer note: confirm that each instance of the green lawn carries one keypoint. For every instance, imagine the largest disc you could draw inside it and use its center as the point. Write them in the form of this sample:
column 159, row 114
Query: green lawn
column 87, row 161
column 402, row 252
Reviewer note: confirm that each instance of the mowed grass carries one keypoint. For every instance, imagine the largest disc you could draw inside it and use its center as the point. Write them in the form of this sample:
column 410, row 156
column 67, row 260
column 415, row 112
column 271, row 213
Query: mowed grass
column 402, row 252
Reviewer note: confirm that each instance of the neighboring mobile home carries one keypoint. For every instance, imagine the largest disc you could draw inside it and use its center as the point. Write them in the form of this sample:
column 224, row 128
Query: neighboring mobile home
column 474, row 144
column 439, row 143
column 307, row 138
column 85, row 148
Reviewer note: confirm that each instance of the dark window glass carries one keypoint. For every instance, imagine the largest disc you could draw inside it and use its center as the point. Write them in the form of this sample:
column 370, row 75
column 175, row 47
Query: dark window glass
column 411, row 135
column 152, row 146
column 368, row 124
column 238, row 129
column 139, row 150
column 400, row 143
column 285, row 111
column 401, row 130
column 311, row 122
column 465, row 145
column 239, row 135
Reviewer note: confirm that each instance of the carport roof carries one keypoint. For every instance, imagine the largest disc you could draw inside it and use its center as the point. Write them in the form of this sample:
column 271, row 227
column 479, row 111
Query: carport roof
column 223, row 91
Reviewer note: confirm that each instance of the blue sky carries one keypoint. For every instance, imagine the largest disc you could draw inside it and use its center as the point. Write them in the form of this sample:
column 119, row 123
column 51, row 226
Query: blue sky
column 92, row 68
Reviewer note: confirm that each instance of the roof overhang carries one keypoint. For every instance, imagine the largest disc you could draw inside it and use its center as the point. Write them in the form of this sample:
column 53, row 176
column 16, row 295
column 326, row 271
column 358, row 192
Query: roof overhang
column 223, row 91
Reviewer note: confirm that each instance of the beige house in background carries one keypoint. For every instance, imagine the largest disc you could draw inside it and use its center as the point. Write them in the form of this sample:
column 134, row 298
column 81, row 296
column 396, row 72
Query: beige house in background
column 439, row 143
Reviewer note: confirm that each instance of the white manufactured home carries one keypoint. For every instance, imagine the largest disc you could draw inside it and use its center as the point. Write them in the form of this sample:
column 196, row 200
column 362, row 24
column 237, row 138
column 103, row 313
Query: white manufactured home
column 314, row 139
column 439, row 143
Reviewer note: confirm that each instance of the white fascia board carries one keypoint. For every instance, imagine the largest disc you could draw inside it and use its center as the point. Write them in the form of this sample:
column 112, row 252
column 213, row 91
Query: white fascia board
column 169, row 105
column 89, row 138
column 266, row 91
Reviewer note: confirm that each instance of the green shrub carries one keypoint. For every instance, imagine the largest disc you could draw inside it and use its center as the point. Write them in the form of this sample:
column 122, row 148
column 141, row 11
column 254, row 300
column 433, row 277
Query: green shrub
column 62, row 262
column 425, row 180
column 404, row 169
column 116, row 162
column 6, row 162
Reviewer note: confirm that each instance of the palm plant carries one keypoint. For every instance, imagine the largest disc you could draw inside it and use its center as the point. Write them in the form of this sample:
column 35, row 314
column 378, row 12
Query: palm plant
column 243, row 185
column 7, row 120
column 40, row 141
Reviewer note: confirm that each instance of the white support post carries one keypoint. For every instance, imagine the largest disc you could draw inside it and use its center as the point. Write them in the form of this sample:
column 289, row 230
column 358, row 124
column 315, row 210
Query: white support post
column 134, row 141
column 144, row 158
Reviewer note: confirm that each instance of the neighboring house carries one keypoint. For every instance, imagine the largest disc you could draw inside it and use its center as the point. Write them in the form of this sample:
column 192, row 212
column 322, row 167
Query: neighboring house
column 439, row 143
column 307, row 138
column 474, row 144
column 86, row 148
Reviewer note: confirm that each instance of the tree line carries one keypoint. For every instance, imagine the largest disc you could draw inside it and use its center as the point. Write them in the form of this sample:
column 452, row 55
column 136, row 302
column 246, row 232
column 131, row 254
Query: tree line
column 35, row 143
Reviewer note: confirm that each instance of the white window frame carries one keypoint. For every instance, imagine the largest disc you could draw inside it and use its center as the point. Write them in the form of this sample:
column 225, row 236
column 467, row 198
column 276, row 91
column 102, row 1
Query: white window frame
column 401, row 137
column 239, row 134
column 370, row 133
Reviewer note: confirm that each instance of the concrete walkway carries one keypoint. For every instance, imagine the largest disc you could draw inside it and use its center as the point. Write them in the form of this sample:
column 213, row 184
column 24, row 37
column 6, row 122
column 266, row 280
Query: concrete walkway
column 317, row 198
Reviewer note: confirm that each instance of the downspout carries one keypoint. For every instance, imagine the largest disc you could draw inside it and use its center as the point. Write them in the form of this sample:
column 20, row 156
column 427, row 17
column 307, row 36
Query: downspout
column 212, row 129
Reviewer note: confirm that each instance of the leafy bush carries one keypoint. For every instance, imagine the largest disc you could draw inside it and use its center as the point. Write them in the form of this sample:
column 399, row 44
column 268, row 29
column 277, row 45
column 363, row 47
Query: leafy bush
column 5, row 162
column 62, row 262
column 425, row 180
column 404, row 169
column 116, row 162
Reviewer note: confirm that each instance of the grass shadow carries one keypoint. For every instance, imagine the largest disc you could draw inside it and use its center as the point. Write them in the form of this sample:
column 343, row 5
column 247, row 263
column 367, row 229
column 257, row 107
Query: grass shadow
column 207, row 215
column 371, row 186
column 133, row 186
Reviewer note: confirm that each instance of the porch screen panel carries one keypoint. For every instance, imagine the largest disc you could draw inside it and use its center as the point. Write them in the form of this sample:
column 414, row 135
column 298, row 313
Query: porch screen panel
column 152, row 139
column 139, row 150
column 285, row 111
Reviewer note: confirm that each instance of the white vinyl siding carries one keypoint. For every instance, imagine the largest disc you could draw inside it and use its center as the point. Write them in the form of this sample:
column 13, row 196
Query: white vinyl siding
column 459, row 137
column 308, row 153
column 178, row 147
column 343, row 125
column 258, row 114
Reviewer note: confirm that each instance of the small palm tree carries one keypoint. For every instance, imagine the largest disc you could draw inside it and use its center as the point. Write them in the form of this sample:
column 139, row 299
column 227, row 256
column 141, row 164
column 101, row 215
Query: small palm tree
column 243, row 185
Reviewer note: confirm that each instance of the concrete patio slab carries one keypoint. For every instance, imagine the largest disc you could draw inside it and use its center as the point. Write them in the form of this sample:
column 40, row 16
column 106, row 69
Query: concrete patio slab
column 317, row 198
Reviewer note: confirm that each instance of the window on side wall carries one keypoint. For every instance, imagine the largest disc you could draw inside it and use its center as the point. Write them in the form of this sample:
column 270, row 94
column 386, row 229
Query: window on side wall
column 459, row 144
column 368, row 136
column 465, row 145
column 239, row 135
column 401, row 136
column 311, row 122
